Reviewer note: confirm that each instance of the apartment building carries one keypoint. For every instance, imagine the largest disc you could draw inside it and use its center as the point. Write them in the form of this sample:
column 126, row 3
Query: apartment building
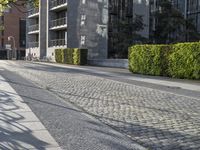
column 13, row 24
column 62, row 23
column 33, row 32
column 90, row 24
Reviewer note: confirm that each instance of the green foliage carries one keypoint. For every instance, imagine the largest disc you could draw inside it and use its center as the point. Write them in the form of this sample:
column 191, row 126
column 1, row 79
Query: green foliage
column 4, row 4
column 59, row 55
column 80, row 56
column 184, row 62
column 179, row 60
column 125, row 35
column 1, row 27
column 68, row 56
column 73, row 56
column 147, row 59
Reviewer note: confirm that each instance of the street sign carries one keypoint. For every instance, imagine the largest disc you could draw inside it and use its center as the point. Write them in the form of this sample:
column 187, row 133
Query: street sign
column 8, row 46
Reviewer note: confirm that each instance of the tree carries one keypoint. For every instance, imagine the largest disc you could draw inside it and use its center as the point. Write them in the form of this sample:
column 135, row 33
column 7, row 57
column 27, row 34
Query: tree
column 126, row 35
column 16, row 3
column 171, row 25
column 129, row 34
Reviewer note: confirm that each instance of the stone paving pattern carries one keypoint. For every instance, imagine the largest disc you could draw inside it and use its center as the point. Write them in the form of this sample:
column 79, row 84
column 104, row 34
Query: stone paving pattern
column 153, row 118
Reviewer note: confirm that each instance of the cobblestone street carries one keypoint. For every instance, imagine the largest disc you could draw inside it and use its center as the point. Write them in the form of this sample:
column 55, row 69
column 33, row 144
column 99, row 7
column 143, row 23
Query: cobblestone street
column 155, row 119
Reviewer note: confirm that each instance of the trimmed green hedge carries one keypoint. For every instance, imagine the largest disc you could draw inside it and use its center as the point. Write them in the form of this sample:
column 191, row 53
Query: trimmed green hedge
column 59, row 55
column 80, row 56
column 148, row 59
column 178, row 60
column 184, row 61
column 73, row 56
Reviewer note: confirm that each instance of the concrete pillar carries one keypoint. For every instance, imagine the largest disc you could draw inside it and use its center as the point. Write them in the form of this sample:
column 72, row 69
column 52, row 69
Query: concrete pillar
column 43, row 28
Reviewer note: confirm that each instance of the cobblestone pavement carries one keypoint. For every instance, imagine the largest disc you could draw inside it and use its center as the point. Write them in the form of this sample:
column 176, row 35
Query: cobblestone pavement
column 153, row 118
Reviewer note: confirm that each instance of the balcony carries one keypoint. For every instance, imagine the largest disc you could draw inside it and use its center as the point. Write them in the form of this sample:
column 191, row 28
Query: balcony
column 33, row 13
column 58, row 42
column 33, row 44
column 58, row 5
column 58, row 24
column 33, row 29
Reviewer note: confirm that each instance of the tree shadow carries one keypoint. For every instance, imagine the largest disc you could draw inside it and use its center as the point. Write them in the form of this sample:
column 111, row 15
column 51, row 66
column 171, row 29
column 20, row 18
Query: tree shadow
column 13, row 134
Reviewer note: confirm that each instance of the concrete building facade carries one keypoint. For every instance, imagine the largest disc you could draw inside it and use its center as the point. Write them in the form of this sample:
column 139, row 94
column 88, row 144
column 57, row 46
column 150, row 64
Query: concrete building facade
column 67, row 24
column 78, row 24
column 13, row 25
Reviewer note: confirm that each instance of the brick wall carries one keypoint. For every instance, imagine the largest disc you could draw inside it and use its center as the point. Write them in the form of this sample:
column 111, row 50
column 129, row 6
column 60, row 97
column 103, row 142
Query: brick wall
column 11, row 22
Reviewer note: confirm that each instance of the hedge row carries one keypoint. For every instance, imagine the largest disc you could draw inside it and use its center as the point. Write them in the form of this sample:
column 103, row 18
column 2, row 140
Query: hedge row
column 73, row 56
column 178, row 60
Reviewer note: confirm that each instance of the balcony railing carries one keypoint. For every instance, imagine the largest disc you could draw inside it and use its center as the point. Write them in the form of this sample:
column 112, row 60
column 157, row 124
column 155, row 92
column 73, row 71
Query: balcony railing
column 57, row 42
column 33, row 11
column 58, row 22
column 33, row 28
column 33, row 44
column 55, row 3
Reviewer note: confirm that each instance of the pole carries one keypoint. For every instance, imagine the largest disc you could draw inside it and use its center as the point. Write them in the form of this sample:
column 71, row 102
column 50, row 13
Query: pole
column 14, row 54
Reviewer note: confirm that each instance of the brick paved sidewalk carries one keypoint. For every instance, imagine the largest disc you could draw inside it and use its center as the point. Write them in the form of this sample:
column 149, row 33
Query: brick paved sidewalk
column 155, row 119
column 193, row 85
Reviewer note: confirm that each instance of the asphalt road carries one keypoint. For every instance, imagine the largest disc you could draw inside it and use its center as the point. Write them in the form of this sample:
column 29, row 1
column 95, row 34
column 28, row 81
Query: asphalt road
column 72, row 128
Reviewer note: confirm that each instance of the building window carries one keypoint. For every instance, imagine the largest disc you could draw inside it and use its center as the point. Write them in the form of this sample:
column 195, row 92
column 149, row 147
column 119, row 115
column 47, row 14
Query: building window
column 2, row 32
column 22, row 33
column 2, row 43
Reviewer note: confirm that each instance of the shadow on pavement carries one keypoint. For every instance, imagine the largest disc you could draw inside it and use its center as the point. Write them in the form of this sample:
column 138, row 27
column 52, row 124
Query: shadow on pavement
column 173, row 136
column 29, row 94
column 13, row 134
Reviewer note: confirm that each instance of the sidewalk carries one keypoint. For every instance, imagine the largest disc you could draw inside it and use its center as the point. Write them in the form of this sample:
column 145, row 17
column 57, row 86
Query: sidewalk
column 193, row 85
column 19, row 127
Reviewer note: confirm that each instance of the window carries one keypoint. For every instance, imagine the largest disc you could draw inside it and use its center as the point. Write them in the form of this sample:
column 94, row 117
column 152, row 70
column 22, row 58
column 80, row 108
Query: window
column 22, row 35
column 2, row 32
column 61, row 34
column 2, row 43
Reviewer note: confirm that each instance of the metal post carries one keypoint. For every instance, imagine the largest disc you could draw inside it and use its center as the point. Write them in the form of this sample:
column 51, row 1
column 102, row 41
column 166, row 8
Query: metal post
column 14, row 54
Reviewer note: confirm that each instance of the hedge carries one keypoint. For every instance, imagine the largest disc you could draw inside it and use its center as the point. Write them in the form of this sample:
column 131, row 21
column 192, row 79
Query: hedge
column 59, row 55
column 80, row 56
column 184, row 62
column 148, row 59
column 71, row 56
column 177, row 60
